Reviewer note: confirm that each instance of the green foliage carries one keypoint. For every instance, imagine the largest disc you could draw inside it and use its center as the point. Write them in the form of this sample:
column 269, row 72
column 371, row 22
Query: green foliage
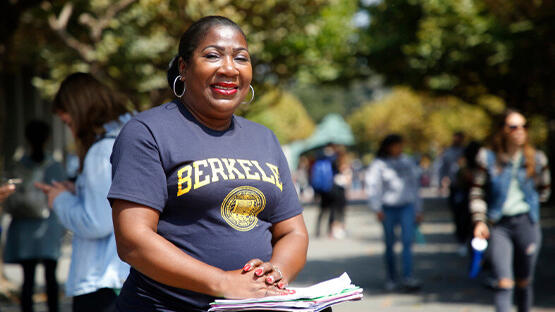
column 425, row 122
column 323, row 99
column 284, row 114
column 128, row 43
column 468, row 48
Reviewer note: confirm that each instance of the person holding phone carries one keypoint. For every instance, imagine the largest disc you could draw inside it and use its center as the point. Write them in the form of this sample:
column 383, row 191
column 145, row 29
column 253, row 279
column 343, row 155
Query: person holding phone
column 94, row 114
column 34, row 235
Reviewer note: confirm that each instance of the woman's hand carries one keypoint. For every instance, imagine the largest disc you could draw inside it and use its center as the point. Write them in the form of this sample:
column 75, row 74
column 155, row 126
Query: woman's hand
column 70, row 186
column 6, row 190
column 269, row 271
column 239, row 284
column 140, row 245
column 52, row 191
column 481, row 230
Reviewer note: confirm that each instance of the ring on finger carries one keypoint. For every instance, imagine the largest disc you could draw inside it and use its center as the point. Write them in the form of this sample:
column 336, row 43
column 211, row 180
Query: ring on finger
column 276, row 268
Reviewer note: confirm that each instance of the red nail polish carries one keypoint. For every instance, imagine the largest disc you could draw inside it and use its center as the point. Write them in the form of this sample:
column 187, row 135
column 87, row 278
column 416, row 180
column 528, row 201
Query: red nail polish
column 270, row 280
column 247, row 267
column 281, row 285
column 259, row 272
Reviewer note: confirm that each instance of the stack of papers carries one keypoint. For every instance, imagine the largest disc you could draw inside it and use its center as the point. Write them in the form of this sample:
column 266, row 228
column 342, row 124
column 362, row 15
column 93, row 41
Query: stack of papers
column 305, row 299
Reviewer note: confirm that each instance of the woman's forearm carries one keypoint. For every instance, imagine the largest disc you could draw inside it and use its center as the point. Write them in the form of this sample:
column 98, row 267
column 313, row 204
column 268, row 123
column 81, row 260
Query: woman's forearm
column 139, row 245
column 290, row 247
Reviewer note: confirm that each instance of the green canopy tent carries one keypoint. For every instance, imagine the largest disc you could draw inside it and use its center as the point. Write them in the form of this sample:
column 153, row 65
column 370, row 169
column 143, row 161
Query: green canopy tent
column 332, row 129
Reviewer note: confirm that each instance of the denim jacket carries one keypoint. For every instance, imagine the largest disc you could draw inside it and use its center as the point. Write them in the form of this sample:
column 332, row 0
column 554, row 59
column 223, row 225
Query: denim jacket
column 94, row 260
column 491, row 185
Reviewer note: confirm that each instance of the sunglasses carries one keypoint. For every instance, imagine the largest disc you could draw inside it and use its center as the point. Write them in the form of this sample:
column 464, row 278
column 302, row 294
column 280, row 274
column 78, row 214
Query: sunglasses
column 515, row 127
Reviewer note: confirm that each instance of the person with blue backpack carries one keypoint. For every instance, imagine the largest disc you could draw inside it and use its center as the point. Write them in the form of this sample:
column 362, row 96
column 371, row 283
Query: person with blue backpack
column 393, row 184
column 332, row 195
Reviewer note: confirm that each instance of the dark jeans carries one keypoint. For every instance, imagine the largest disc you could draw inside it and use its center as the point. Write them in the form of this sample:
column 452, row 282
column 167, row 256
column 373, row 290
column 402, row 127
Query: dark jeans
column 514, row 245
column 402, row 216
column 102, row 300
column 29, row 268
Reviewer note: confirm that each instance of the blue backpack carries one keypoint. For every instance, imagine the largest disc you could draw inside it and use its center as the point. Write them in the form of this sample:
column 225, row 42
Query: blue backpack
column 321, row 176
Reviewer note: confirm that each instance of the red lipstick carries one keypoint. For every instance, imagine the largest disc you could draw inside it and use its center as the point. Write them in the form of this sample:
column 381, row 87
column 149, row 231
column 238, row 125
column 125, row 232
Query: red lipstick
column 225, row 88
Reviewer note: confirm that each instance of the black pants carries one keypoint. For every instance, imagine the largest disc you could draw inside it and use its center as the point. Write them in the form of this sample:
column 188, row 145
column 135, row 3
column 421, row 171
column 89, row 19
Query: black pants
column 102, row 300
column 333, row 201
column 29, row 268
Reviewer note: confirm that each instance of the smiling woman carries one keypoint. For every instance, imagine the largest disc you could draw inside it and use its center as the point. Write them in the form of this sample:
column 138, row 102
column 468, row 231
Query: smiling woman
column 217, row 74
column 203, row 202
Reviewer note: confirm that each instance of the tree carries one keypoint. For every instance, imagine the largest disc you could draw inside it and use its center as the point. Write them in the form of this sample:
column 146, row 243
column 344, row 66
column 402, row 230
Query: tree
column 426, row 123
column 284, row 113
column 466, row 48
column 128, row 43
column 469, row 49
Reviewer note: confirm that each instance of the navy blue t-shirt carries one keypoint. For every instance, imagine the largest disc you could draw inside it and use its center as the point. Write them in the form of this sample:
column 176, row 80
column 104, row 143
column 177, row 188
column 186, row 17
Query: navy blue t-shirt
column 218, row 193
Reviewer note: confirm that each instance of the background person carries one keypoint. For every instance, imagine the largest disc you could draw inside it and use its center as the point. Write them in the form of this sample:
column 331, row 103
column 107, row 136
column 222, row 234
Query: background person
column 329, row 177
column 515, row 177
column 393, row 193
column 203, row 201
column 461, row 196
column 449, row 167
column 449, row 161
column 32, row 236
column 95, row 115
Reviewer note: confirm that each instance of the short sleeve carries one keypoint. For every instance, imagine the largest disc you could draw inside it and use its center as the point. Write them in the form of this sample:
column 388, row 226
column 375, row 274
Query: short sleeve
column 289, row 205
column 137, row 172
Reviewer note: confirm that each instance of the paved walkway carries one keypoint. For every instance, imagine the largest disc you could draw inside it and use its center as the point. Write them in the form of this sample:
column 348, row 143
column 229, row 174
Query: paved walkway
column 446, row 287
column 443, row 272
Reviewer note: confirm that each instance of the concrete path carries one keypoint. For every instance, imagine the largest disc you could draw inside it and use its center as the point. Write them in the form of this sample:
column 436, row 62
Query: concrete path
column 443, row 272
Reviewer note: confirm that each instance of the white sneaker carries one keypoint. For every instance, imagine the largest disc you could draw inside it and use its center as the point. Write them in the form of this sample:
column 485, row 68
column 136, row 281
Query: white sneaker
column 339, row 234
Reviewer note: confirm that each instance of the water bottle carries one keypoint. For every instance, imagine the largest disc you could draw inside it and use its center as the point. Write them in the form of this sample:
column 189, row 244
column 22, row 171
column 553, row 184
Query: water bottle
column 479, row 246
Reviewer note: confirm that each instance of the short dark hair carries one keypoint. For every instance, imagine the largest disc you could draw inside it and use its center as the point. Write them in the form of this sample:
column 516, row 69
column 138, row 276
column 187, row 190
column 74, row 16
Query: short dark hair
column 192, row 36
column 389, row 140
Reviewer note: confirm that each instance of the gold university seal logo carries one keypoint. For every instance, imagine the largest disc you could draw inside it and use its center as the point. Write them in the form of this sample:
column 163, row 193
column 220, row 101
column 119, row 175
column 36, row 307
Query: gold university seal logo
column 241, row 207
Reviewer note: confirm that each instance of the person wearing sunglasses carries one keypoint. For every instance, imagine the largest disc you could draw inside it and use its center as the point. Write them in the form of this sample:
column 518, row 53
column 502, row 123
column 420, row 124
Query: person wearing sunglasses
column 511, row 180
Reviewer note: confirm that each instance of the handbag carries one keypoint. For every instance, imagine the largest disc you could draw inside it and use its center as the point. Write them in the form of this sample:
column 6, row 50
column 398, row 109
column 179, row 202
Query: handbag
column 28, row 201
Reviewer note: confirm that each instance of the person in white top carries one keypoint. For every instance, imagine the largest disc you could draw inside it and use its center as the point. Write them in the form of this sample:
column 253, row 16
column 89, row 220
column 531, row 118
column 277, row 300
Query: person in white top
column 393, row 193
